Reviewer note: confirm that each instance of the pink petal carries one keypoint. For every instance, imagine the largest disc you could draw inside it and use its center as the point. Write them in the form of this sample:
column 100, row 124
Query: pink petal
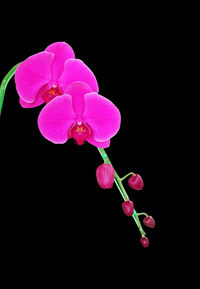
column 62, row 52
column 56, row 118
column 77, row 90
column 76, row 70
column 102, row 116
column 98, row 144
column 32, row 74
column 38, row 102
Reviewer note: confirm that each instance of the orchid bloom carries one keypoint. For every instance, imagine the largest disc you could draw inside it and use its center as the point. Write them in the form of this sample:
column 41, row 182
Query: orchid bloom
column 45, row 75
column 81, row 114
column 74, row 109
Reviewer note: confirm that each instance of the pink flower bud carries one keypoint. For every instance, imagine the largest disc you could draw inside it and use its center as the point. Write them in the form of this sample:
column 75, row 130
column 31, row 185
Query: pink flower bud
column 145, row 242
column 136, row 182
column 128, row 208
column 149, row 222
column 105, row 176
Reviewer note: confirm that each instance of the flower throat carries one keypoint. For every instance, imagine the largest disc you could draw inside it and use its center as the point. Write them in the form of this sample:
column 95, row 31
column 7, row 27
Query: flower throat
column 51, row 93
column 80, row 132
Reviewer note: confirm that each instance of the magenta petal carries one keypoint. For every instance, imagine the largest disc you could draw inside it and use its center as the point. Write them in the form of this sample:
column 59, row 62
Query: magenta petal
column 56, row 118
column 37, row 102
column 76, row 70
column 98, row 144
column 62, row 52
column 32, row 74
column 77, row 90
column 102, row 116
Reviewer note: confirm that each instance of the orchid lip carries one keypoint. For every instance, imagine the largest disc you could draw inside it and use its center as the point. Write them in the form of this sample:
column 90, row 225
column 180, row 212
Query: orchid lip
column 51, row 93
column 79, row 131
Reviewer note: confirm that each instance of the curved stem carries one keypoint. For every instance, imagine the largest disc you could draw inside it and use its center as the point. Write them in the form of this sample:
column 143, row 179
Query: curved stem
column 126, row 176
column 122, row 190
column 143, row 214
column 4, row 84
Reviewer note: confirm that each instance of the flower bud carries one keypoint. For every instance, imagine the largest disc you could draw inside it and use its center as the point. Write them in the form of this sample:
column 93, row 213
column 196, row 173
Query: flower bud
column 145, row 242
column 136, row 182
column 105, row 174
column 149, row 222
column 128, row 208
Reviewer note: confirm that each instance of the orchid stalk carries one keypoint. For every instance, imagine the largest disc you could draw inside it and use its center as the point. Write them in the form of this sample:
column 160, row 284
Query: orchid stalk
column 4, row 84
column 118, row 182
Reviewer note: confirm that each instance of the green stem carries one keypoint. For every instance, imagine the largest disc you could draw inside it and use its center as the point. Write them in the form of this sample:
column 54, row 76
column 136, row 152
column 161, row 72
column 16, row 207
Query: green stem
column 142, row 214
column 126, row 176
column 122, row 190
column 4, row 84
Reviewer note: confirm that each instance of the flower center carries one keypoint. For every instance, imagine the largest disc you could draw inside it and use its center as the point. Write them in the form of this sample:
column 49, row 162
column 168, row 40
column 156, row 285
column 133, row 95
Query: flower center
column 80, row 132
column 51, row 93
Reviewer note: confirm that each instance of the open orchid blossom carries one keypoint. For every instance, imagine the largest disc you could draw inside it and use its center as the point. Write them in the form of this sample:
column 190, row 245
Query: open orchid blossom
column 74, row 109
column 45, row 75
column 82, row 114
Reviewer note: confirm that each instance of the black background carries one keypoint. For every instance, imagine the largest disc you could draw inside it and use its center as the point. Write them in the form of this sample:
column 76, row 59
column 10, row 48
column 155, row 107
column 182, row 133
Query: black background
column 50, row 201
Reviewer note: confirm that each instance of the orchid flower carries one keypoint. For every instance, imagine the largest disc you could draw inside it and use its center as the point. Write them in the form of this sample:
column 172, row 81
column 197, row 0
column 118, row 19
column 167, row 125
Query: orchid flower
column 45, row 75
column 74, row 109
column 82, row 114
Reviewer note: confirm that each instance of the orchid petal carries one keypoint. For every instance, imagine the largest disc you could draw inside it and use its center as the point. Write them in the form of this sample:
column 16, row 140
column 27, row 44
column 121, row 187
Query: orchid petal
column 102, row 116
column 77, row 90
column 76, row 70
column 32, row 74
column 56, row 118
column 62, row 52
column 98, row 144
column 37, row 102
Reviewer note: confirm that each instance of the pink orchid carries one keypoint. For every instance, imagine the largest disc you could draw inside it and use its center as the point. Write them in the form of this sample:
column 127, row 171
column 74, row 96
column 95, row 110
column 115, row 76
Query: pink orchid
column 45, row 75
column 74, row 109
column 81, row 114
